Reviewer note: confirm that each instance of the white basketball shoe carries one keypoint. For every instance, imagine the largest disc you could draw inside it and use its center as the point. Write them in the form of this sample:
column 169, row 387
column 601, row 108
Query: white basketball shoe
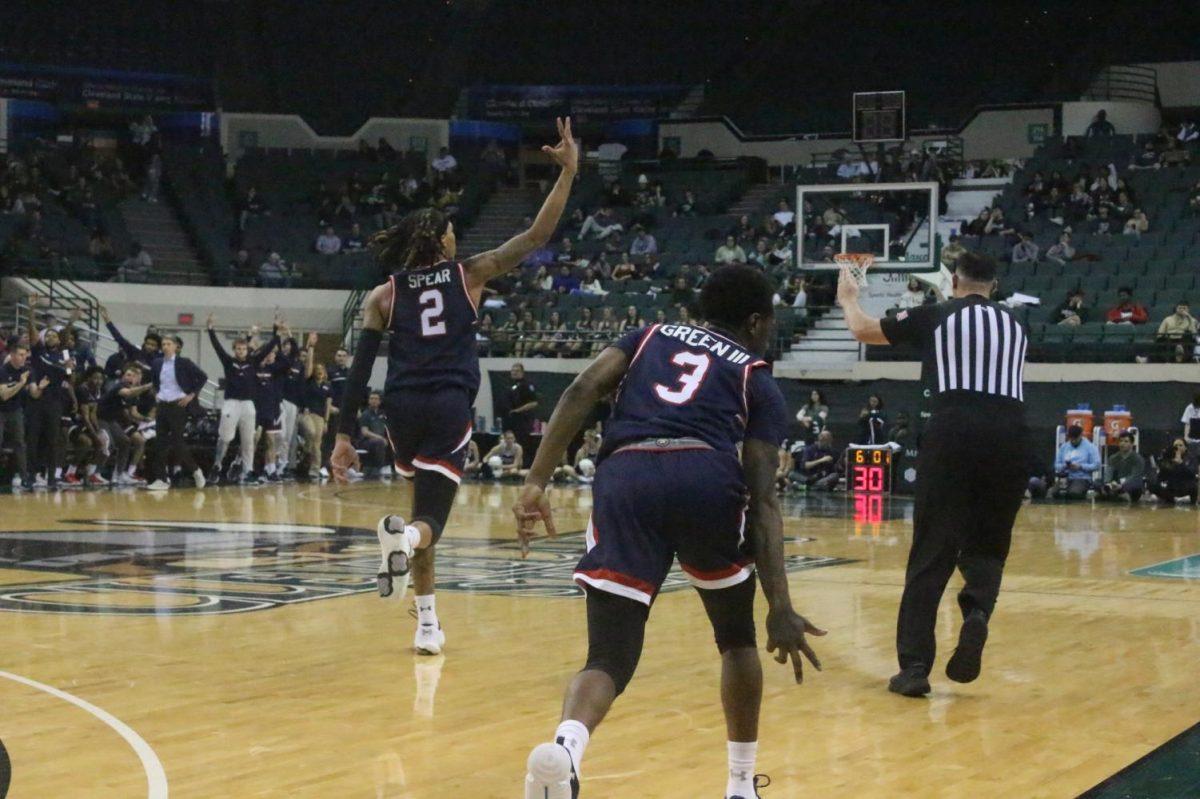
column 430, row 639
column 549, row 774
column 395, row 557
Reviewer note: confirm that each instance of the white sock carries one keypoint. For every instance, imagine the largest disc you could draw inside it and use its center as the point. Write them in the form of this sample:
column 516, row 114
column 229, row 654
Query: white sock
column 573, row 736
column 91, row 469
column 741, row 768
column 414, row 538
column 131, row 470
column 426, row 612
column 269, row 468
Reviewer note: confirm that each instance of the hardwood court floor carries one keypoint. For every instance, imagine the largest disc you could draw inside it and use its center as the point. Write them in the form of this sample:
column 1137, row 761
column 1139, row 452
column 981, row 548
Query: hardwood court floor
column 237, row 635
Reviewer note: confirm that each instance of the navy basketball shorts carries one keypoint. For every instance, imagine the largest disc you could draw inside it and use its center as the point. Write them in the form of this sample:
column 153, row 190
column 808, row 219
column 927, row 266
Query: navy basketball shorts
column 650, row 507
column 429, row 431
column 270, row 423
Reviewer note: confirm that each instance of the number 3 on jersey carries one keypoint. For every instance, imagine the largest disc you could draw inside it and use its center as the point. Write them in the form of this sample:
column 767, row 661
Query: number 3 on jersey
column 432, row 306
column 695, row 368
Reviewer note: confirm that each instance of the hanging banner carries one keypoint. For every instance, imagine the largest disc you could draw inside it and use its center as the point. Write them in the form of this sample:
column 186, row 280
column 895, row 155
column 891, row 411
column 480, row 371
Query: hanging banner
column 582, row 103
column 105, row 88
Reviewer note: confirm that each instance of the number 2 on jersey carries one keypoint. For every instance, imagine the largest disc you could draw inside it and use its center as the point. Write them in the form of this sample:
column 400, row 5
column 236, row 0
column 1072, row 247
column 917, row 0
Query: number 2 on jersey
column 432, row 306
column 689, row 380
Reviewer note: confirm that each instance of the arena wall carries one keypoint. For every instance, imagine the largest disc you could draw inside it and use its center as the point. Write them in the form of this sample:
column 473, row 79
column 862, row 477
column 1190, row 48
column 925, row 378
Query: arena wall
column 290, row 131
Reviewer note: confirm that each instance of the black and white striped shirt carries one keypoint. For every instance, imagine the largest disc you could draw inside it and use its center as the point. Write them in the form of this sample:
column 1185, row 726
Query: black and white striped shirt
column 967, row 344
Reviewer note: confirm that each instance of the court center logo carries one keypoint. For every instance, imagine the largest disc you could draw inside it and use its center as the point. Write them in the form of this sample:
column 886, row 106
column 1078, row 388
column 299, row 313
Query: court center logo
column 138, row 568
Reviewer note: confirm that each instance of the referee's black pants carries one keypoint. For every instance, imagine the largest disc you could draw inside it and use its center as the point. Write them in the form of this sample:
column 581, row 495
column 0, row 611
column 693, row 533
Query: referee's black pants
column 971, row 478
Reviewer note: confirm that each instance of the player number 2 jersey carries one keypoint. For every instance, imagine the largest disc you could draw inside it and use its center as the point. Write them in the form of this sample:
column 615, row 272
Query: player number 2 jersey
column 432, row 325
column 687, row 381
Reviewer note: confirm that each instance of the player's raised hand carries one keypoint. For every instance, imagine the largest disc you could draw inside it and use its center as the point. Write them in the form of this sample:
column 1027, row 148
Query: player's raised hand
column 566, row 152
column 785, row 637
column 343, row 457
column 531, row 507
column 847, row 288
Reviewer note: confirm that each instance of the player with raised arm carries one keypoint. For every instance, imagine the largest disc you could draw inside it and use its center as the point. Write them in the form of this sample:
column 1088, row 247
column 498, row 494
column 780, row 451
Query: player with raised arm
column 687, row 397
column 429, row 306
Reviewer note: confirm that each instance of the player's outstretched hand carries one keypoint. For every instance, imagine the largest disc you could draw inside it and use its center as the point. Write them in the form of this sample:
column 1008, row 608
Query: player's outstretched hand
column 566, row 152
column 785, row 637
column 532, row 506
column 847, row 288
column 343, row 457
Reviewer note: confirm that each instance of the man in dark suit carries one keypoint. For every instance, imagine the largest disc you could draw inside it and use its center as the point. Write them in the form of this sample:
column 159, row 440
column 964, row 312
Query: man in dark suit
column 177, row 381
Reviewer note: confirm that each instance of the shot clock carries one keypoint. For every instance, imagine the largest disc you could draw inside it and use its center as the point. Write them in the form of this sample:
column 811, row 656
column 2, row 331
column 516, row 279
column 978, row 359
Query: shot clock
column 869, row 469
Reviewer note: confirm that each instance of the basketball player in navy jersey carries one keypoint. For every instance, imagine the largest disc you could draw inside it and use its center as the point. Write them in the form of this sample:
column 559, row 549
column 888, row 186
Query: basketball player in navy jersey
column 688, row 396
column 429, row 306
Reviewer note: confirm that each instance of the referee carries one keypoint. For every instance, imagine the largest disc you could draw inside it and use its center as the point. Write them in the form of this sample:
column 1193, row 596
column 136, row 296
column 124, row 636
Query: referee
column 971, row 471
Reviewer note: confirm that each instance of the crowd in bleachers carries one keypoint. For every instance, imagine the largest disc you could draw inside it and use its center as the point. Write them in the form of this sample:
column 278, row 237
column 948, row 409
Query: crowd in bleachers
column 1104, row 248
column 58, row 207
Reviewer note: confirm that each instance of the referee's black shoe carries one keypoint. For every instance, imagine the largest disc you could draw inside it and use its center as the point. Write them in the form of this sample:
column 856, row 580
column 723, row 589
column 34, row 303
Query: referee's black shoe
column 967, row 659
column 911, row 681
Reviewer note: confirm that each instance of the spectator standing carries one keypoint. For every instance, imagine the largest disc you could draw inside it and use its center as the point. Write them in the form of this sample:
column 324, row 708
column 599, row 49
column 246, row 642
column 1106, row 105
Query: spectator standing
column 813, row 415
column 1127, row 311
column 872, row 421
column 1191, row 425
column 1076, row 461
column 1100, row 126
column 520, row 406
column 15, row 387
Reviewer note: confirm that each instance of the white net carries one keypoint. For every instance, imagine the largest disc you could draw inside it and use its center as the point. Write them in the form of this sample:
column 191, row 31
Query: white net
column 859, row 263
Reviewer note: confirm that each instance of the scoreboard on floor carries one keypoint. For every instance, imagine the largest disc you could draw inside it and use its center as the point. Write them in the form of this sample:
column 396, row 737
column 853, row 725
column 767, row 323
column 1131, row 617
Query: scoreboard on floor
column 869, row 469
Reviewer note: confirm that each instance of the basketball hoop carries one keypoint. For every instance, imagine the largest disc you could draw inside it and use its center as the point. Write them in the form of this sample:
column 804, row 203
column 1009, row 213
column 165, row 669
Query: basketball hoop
column 859, row 263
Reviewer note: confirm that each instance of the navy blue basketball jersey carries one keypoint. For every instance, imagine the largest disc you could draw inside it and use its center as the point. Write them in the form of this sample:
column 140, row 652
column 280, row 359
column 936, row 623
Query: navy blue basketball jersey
column 432, row 324
column 691, row 381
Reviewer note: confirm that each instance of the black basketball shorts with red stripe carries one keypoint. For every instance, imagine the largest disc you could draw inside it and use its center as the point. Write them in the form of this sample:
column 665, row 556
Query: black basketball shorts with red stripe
column 650, row 507
column 430, row 431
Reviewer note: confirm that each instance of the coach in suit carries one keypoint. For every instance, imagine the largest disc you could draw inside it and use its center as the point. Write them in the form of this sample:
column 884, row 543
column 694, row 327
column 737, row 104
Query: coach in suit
column 972, row 470
column 177, row 381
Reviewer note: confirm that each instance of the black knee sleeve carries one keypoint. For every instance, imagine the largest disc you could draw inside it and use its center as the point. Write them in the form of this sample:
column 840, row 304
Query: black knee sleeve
column 616, row 629
column 433, row 496
column 731, row 612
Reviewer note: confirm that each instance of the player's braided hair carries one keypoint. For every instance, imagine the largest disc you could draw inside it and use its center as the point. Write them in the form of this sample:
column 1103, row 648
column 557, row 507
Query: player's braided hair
column 412, row 244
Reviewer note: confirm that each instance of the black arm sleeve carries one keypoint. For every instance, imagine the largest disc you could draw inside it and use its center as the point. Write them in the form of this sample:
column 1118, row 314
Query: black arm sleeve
column 122, row 342
column 222, row 355
column 356, row 381
column 265, row 350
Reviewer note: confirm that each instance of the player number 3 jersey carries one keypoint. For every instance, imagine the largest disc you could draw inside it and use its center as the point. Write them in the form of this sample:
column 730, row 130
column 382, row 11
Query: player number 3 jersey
column 687, row 381
column 432, row 325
